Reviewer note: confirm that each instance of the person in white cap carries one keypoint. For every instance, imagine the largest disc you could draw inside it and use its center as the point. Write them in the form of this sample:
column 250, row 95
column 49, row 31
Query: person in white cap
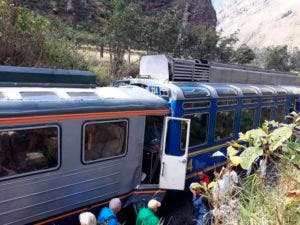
column 87, row 218
column 146, row 216
column 108, row 215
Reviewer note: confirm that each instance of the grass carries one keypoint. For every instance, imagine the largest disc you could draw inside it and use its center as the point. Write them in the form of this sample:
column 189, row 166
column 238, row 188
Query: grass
column 260, row 204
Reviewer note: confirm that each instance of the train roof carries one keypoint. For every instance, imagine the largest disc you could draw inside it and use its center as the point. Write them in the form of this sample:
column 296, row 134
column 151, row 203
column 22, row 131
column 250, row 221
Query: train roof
column 16, row 101
column 166, row 68
column 44, row 77
column 190, row 90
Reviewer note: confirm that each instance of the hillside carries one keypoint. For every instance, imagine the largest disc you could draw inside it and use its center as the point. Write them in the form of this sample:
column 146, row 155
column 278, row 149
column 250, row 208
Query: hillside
column 262, row 23
column 93, row 12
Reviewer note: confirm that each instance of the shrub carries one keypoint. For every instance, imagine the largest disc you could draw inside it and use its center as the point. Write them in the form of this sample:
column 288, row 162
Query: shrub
column 29, row 39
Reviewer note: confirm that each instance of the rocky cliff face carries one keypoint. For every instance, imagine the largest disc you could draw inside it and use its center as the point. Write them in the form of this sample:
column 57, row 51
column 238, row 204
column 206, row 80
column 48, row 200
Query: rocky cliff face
column 261, row 23
column 200, row 12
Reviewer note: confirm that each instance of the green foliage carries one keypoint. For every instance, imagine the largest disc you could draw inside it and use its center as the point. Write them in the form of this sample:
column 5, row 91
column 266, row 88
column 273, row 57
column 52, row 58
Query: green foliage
column 199, row 42
column 29, row 39
column 121, row 30
column 159, row 32
column 260, row 142
column 249, row 155
column 291, row 152
column 244, row 55
column 277, row 58
column 295, row 59
column 225, row 48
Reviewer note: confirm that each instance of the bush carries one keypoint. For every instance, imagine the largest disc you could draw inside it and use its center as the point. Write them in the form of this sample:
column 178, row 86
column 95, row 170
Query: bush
column 29, row 39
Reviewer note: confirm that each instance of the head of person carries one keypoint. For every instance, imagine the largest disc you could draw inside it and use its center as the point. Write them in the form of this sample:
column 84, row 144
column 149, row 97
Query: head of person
column 87, row 218
column 154, row 205
column 196, row 187
column 115, row 205
column 229, row 167
column 201, row 173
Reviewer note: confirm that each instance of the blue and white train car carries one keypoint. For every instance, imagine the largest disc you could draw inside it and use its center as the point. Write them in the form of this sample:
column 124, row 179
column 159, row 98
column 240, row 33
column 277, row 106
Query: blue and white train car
column 217, row 111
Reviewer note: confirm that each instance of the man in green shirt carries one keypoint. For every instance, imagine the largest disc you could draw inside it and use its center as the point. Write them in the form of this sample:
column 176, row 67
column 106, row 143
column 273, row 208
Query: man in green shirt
column 146, row 216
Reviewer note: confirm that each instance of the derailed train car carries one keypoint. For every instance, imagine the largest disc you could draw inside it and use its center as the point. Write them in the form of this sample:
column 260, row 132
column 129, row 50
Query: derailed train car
column 220, row 100
column 67, row 146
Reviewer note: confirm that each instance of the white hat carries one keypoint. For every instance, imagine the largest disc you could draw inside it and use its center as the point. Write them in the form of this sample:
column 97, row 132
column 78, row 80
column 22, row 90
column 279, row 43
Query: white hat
column 153, row 204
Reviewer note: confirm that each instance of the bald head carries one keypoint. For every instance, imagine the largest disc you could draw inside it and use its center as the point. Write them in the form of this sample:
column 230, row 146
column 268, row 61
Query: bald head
column 115, row 205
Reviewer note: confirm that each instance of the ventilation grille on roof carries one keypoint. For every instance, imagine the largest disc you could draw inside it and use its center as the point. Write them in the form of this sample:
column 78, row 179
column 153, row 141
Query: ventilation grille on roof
column 190, row 70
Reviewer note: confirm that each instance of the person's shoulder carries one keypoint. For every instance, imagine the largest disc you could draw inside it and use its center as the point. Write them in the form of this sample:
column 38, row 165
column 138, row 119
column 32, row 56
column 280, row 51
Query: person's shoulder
column 153, row 220
column 233, row 173
column 104, row 210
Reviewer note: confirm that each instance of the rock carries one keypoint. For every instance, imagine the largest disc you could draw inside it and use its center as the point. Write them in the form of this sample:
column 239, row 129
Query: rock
column 262, row 23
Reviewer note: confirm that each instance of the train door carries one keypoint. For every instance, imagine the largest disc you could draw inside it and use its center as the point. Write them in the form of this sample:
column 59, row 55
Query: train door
column 151, row 150
column 173, row 167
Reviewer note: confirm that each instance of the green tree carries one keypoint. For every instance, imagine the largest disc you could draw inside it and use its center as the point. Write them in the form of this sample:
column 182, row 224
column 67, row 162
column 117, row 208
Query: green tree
column 199, row 42
column 225, row 48
column 30, row 39
column 122, row 30
column 277, row 58
column 244, row 55
column 295, row 59
column 160, row 31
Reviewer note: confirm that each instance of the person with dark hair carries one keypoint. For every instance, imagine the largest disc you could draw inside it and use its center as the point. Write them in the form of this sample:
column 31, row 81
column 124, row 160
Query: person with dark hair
column 201, row 205
column 202, row 177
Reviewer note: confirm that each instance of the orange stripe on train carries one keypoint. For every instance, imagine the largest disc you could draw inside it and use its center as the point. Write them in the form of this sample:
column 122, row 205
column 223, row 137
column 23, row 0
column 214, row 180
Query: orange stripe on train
column 52, row 118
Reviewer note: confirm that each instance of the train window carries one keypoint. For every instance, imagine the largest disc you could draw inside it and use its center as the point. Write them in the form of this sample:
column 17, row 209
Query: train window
column 267, row 91
column 198, row 130
column 28, row 150
column 266, row 113
column 83, row 95
column 225, row 91
column 104, row 140
column 280, row 114
column 248, row 91
column 264, row 100
column 224, row 125
column 195, row 105
column 247, row 119
column 281, row 91
column 39, row 95
column 195, row 92
column 2, row 97
column 281, row 99
column 227, row 102
column 249, row 101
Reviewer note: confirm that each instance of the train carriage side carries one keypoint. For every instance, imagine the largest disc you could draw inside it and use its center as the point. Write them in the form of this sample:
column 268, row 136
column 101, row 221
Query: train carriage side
column 218, row 112
column 67, row 149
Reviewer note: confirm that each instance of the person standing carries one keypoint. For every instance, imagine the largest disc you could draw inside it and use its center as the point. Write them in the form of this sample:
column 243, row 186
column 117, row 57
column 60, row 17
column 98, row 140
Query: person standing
column 201, row 205
column 146, row 216
column 108, row 215
column 202, row 177
column 87, row 218
column 230, row 176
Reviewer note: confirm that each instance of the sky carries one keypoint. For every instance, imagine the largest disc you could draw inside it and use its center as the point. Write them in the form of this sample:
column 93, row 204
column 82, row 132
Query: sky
column 218, row 4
